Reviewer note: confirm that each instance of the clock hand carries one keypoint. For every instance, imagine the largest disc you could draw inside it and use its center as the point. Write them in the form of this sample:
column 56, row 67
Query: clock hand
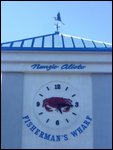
column 60, row 110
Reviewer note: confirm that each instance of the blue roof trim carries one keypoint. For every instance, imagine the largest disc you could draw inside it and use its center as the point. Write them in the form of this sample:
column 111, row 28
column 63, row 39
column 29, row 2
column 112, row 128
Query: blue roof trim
column 42, row 41
column 11, row 44
column 105, row 45
column 49, row 43
column 32, row 42
column 31, row 38
column 62, row 41
column 73, row 42
column 52, row 41
column 94, row 44
column 83, row 43
column 22, row 43
column 56, row 49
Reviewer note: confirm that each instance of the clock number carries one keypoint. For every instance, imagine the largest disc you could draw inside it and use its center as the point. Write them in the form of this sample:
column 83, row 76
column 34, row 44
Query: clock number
column 57, row 122
column 76, row 104
column 38, row 104
column 57, row 86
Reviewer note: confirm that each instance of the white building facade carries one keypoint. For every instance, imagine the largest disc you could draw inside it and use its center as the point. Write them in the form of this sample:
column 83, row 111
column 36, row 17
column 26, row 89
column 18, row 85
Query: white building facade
column 56, row 93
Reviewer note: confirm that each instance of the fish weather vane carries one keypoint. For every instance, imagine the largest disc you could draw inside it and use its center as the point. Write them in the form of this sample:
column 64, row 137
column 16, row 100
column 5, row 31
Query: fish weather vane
column 58, row 21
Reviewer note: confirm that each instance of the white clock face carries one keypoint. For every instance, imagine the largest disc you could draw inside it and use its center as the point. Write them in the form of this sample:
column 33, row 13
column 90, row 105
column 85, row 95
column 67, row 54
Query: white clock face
column 56, row 105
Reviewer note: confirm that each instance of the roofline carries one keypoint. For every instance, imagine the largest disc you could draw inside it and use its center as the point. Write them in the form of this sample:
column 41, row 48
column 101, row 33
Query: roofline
column 85, row 39
column 81, row 38
column 57, row 49
column 31, row 38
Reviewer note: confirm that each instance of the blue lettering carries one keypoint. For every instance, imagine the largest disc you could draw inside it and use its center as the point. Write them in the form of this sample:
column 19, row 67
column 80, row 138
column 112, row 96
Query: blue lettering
column 53, row 66
column 74, row 133
column 27, row 121
column 87, row 117
column 29, row 124
column 33, row 128
column 26, row 117
column 83, row 126
column 41, row 134
column 64, row 66
column 47, row 67
column 52, row 138
column 72, row 66
column 57, row 137
column 79, row 130
column 86, row 122
column 37, row 132
column 81, row 67
column 34, row 66
column 65, row 137
column 47, row 136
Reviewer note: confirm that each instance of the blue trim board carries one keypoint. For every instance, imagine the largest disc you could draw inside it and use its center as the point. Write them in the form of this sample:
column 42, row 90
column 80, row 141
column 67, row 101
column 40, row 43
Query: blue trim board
column 12, row 46
column 31, row 38
column 56, row 49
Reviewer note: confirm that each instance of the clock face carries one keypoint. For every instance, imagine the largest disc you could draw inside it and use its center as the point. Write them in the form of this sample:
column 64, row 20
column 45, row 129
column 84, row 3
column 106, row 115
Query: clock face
column 56, row 105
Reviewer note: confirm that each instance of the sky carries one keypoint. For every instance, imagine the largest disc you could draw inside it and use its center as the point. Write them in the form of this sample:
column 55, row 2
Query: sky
column 86, row 19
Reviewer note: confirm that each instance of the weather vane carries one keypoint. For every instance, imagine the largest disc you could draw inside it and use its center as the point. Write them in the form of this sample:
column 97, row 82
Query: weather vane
column 58, row 21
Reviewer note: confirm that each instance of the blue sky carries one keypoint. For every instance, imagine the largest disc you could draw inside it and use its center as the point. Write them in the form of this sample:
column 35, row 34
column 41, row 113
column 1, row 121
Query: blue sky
column 87, row 19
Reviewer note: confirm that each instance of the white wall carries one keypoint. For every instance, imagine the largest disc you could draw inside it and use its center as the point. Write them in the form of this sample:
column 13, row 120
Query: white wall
column 12, row 105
